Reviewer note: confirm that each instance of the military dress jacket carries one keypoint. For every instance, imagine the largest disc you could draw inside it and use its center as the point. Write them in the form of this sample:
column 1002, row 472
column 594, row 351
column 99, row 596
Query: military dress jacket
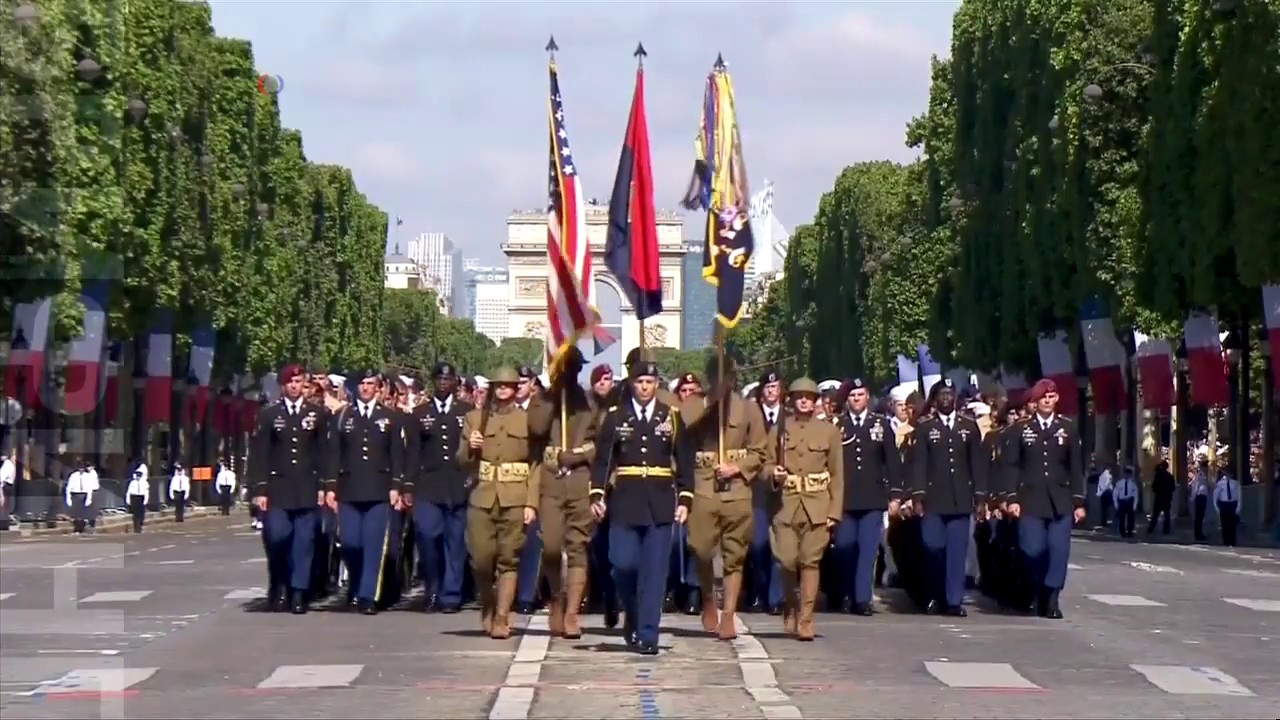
column 814, row 463
column 432, row 437
column 651, row 461
column 366, row 453
column 872, row 462
column 949, row 465
column 287, row 462
column 1045, row 468
column 500, row 471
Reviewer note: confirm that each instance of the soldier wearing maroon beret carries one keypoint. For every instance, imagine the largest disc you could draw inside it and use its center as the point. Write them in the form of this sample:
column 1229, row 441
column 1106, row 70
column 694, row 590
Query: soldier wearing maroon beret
column 1045, row 493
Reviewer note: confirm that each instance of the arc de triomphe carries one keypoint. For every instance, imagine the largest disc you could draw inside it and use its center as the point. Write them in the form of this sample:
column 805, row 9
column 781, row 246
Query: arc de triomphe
column 526, row 251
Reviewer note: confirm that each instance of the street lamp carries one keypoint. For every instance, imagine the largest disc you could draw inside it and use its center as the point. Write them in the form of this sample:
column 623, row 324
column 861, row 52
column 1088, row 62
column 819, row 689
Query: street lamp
column 1093, row 92
column 238, row 190
column 137, row 110
column 26, row 15
column 262, row 210
column 957, row 203
column 1054, row 123
column 88, row 70
column 175, row 135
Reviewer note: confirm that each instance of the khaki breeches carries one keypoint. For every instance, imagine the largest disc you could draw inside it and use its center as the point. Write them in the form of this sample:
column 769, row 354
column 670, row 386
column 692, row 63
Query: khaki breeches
column 727, row 524
column 494, row 538
column 566, row 527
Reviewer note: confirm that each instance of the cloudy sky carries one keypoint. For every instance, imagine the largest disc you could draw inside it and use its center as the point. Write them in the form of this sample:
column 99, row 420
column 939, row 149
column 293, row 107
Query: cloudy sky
column 440, row 108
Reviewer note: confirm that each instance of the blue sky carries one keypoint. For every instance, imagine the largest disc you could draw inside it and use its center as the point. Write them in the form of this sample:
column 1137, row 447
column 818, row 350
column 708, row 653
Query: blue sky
column 440, row 108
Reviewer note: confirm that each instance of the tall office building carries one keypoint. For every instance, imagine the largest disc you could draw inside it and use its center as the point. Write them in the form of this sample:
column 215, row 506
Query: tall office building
column 699, row 301
column 442, row 264
column 487, row 301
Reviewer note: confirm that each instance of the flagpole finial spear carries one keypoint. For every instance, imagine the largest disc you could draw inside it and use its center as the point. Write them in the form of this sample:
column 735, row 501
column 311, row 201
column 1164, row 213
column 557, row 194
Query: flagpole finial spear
column 719, row 62
column 640, row 54
column 551, row 46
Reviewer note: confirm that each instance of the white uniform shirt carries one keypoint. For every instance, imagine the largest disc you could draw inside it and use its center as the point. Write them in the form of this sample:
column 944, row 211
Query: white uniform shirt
column 226, row 479
column 771, row 413
column 93, row 480
column 179, row 483
column 138, row 487
column 1227, row 490
column 8, row 474
column 1126, row 489
column 80, row 481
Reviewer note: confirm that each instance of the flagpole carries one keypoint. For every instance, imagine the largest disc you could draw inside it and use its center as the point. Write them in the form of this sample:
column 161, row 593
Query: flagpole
column 639, row 55
column 724, row 399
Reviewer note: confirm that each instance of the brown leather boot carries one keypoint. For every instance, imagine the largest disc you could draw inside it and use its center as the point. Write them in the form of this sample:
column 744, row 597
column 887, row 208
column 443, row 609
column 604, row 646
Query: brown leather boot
column 707, row 579
column 576, row 591
column 732, row 591
column 789, row 602
column 484, row 588
column 808, row 597
column 502, row 612
column 555, row 603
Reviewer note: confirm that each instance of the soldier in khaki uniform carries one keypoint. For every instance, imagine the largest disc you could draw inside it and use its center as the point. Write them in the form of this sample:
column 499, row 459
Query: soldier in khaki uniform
column 722, row 510
column 567, row 439
column 810, row 476
column 503, row 500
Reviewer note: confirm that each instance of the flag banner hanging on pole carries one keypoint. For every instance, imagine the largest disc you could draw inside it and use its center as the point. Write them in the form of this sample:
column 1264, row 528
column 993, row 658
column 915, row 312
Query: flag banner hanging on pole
column 631, row 249
column 719, row 186
column 571, row 312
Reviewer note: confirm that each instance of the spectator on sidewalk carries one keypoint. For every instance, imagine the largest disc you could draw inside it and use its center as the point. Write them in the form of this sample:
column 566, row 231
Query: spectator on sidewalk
column 1162, row 487
column 1125, row 496
column 136, row 497
column 1200, row 497
column 179, row 489
column 1226, row 497
column 79, row 497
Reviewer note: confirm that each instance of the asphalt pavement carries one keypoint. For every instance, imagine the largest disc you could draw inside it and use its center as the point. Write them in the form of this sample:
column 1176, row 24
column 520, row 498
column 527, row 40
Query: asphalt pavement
column 167, row 624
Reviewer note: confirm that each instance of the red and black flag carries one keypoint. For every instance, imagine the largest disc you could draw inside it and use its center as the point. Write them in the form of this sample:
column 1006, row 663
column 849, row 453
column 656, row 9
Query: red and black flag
column 631, row 249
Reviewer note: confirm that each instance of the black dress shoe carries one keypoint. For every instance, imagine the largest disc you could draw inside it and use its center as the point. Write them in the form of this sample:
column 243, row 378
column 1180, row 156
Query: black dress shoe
column 956, row 611
column 693, row 605
column 755, row 606
column 629, row 634
column 669, row 603
column 933, row 608
column 610, row 616
column 863, row 609
column 367, row 607
column 525, row 608
column 450, row 609
column 775, row 610
column 279, row 601
column 299, row 604
column 431, row 603
column 647, row 648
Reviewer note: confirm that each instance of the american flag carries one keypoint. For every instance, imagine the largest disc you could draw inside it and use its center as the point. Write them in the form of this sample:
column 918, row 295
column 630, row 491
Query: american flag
column 571, row 312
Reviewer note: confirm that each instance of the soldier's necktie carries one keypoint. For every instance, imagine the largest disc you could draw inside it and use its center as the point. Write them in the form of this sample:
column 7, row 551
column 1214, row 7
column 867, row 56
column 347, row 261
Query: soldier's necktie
column 644, row 415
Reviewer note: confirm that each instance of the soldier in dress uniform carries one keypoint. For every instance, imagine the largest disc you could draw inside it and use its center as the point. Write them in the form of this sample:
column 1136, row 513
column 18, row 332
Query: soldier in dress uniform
column 367, row 461
column 529, row 573
column 286, row 466
column 563, row 425
column 872, row 483
column 642, row 442
column 435, row 488
column 684, row 588
column 721, row 516
column 1046, row 494
column 600, row 576
column 810, row 476
column 504, row 498
column 764, row 591
column 634, row 357
column 949, row 484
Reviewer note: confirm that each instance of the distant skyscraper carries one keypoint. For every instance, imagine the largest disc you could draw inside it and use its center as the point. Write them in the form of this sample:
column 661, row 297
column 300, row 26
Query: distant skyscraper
column 442, row 264
column 699, row 301
column 487, row 301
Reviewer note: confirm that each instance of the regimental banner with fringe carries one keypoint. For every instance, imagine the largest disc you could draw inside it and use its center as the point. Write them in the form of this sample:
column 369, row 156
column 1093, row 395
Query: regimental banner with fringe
column 571, row 312
column 719, row 186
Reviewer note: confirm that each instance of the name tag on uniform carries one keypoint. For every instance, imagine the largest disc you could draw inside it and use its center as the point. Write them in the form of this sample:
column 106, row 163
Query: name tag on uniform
column 279, row 424
column 624, row 431
column 1028, row 436
column 348, row 425
column 935, row 435
column 428, row 422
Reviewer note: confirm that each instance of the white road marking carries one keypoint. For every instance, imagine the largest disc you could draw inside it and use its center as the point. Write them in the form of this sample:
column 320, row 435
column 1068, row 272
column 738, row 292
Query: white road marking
column 311, row 676
column 1252, row 573
column 171, row 562
column 245, row 594
column 253, row 560
column 758, row 676
column 515, row 697
column 5, row 596
column 117, row 596
column 77, row 652
column 101, row 680
column 1149, row 567
column 1182, row 680
column 1255, row 604
column 1073, row 566
column 978, row 675
column 1125, row 600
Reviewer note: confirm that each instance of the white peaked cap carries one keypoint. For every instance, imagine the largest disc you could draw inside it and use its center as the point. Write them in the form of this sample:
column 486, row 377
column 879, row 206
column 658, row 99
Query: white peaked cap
column 900, row 393
column 336, row 379
column 406, row 380
column 746, row 391
column 979, row 408
column 482, row 381
column 545, row 379
column 826, row 385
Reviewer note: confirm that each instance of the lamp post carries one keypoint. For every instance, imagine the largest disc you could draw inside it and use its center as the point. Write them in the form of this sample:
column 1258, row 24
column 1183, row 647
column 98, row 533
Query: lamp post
column 20, row 429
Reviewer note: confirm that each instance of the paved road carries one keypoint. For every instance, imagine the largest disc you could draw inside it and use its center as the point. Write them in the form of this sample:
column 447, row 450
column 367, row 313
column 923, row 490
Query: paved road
column 161, row 629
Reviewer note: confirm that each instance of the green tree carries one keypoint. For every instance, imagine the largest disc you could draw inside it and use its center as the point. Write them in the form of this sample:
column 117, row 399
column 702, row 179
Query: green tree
column 515, row 352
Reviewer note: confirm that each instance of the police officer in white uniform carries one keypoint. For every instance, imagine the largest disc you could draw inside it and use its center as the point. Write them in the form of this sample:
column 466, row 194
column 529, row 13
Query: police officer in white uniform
column 8, row 474
column 1226, row 497
column 179, row 490
column 226, row 485
column 79, row 496
column 135, row 496
column 1124, row 493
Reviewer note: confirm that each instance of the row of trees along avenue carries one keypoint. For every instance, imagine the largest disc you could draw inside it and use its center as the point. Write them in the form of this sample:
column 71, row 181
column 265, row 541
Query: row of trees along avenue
column 1071, row 149
column 137, row 145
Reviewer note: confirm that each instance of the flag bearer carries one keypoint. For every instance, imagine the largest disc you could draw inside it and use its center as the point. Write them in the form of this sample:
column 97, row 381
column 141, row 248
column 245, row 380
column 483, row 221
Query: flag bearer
column 503, row 501
column 565, row 503
column 642, row 444
column 366, row 469
column 721, row 515
column 1046, row 494
column 435, row 488
column 286, row 465
column 872, row 483
column 179, row 490
column 949, row 484
column 809, row 474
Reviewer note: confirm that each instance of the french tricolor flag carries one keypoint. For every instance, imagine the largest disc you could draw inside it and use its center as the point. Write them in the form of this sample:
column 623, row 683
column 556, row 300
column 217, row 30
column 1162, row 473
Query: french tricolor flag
column 1155, row 371
column 84, row 357
column 200, row 369
column 157, row 397
column 930, row 369
column 1015, row 386
column 1106, row 358
column 1207, row 367
column 908, row 371
column 1271, row 318
column 27, row 345
column 1056, row 364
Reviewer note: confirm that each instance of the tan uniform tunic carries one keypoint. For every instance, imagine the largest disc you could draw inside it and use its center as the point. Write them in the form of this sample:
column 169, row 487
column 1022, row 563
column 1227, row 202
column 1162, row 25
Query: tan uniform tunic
column 504, row 487
column 811, row 493
column 725, row 518
column 564, row 508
